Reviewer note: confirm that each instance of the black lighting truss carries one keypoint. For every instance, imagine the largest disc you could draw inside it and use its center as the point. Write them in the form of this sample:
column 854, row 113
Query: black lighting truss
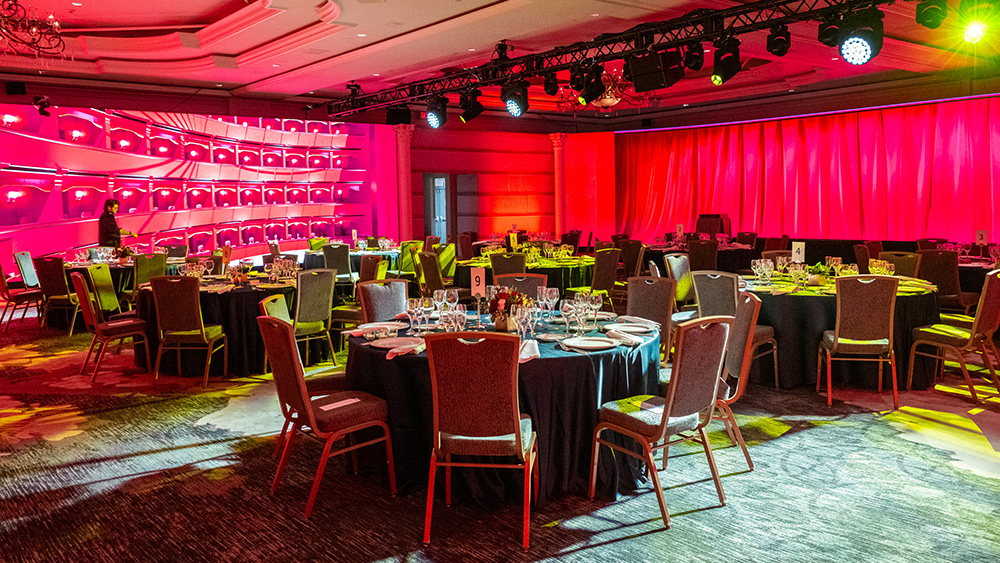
column 699, row 26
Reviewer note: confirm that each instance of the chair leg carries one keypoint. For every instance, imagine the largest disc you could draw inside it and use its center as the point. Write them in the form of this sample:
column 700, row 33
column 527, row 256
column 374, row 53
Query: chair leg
column 284, row 458
column 878, row 388
column 711, row 465
column 965, row 374
column 895, row 385
column 592, row 490
column 657, row 488
column 388, row 459
column 909, row 367
column 819, row 368
column 225, row 356
column 90, row 350
column 319, row 475
column 724, row 417
column 208, row 366
column 354, row 453
column 100, row 358
column 145, row 348
column 989, row 364
column 527, row 497
column 739, row 436
column 281, row 439
column 447, row 480
column 829, row 379
column 156, row 369
column 664, row 458
column 307, row 353
column 774, row 355
column 430, row 500
column 72, row 320
column 535, row 472
column 333, row 353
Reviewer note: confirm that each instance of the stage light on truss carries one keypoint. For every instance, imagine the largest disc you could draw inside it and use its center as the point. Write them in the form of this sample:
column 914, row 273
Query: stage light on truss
column 778, row 41
column 577, row 78
column 727, row 60
column 594, row 86
column 861, row 36
column 514, row 95
column 931, row 13
column 437, row 111
column 829, row 31
column 551, row 85
column 470, row 105
column 694, row 56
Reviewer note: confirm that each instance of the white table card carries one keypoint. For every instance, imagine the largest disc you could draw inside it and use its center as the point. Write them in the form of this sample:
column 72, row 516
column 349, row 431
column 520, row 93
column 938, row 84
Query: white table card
column 680, row 228
column 478, row 282
column 799, row 252
column 982, row 237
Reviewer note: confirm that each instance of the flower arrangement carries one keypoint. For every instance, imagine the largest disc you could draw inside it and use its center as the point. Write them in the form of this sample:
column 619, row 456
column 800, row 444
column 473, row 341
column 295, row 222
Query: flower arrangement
column 123, row 252
column 504, row 300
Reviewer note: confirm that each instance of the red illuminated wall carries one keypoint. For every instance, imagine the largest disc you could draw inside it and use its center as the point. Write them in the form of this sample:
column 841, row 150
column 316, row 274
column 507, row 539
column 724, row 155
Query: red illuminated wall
column 515, row 182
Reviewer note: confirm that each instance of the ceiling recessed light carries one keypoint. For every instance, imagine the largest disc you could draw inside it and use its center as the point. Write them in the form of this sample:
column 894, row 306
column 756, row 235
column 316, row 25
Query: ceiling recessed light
column 218, row 85
column 685, row 105
column 276, row 66
column 77, row 3
column 594, row 15
column 835, row 59
column 471, row 50
column 362, row 35
column 792, row 90
column 374, row 74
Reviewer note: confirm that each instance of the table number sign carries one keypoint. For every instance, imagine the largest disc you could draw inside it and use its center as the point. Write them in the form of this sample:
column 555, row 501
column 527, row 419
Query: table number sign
column 354, row 235
column 799, row 252
column 982, row 237
column 478, row 282
column 680, row 228
column 513, row 241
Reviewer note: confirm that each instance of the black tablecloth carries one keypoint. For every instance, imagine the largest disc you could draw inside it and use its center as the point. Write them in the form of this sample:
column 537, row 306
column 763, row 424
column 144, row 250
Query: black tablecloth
column 972, row 278
column 563, row 277
column 314, row 259
column 237, row 311
column 799, row 322
column 561, row 391
column 730, row 259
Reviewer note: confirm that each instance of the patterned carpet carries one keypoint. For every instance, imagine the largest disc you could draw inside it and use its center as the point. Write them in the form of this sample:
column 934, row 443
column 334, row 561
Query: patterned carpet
column 122, row 471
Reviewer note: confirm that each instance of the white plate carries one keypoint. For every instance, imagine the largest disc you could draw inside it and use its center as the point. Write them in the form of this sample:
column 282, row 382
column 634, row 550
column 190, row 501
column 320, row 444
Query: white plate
column 605, row 315
column 631, row 328
column 391, row 325
column 550, row 336
column 590, row 342
column 390, row 343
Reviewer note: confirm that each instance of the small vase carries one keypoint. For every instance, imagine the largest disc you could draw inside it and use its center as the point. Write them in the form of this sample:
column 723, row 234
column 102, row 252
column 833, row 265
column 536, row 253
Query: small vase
column 502, row 324
column 123, row 261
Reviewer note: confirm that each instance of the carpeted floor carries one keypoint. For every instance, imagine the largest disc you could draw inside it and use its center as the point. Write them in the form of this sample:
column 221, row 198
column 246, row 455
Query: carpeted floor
column 122, row 471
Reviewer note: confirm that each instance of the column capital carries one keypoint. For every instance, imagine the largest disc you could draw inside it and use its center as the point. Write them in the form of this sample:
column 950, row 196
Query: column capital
column 558, row 139
column 404, row 131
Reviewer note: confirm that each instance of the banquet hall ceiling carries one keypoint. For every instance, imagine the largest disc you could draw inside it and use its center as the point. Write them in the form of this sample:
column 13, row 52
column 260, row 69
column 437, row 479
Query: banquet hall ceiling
column 307, row 50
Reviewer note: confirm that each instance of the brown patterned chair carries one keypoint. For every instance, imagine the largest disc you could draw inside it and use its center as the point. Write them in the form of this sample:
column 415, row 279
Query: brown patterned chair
column 866, row 308
column 509, row 263
column 861, row 256
column 964, row 335
column 430, row 268
column 906, row 263
column 314, row 308
column 327, row 418
column 476, row 411
column 373, row 267
column 773, row 255
column 652, row 297
column 703, row 254
column 605, row 272
column 940, row 267
column 748, row 238
column 52, row 281
column 527, row 284
column 106, row 332
column 679, row 269
column 736, row 372
column 700, row 348
column 716, row 292
column 382, row 300
column 929, row 243
column 180, row 323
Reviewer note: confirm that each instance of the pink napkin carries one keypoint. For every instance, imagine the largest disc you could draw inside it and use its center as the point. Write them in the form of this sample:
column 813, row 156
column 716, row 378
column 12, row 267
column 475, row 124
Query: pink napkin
column 625, row 338
column 355, row 332
column 407, row 349
column 529, row 351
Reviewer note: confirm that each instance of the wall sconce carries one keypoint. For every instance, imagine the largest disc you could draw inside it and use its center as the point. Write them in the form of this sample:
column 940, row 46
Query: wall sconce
column 201, row 247
column 295, row 161
column 126, row 193
column 164, row 193
column 340, row 192
column 13, row 195
column 195, row 192
column 162, row 149
column 246, row 158
column 76, row 134
column 292, row 129
column 9, row 119
column 79, row 194
column 193, row 154
column 338, row 162
column 337, row 132
column 221, row 156
column 270, row 160
column 123, row 143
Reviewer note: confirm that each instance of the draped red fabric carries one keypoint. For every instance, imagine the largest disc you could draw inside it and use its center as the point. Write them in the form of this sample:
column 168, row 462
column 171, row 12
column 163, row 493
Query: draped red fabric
column 891, row 174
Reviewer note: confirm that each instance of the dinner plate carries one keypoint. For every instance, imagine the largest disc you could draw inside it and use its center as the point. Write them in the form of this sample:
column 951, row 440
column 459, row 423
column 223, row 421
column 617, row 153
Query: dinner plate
column 631, row 328
column 390, row 343
column 590, row 342
column 550, row 336
column 391, row 325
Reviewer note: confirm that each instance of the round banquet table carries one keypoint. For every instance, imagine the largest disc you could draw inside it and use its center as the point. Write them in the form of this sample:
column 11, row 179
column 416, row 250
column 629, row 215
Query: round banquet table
column 972, row 275
column 730, row 259
column 561, row 391
column 237, row 311
column 799, row 320
column 564, row 274
column 314, row 259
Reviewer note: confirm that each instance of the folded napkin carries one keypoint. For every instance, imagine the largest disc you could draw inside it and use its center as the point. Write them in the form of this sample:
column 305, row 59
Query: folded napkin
column 355, row 332
column 625, row 338
column 407, row 349
column 638, row 321
column 529, row 351
column 777, row 291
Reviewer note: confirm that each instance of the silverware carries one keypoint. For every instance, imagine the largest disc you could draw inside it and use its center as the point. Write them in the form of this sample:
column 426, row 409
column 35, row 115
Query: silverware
column 572, row 349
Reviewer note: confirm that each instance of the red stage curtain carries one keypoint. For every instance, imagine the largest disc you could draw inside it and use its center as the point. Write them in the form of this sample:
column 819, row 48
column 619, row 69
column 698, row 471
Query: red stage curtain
column 891, row 174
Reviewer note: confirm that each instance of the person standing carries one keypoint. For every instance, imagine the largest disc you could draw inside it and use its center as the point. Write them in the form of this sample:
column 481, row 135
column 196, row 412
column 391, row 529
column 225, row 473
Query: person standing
column 108, row 232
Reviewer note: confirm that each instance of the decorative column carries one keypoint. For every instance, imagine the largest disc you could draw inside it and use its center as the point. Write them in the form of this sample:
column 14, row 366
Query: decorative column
column 559, row 173
column 404, row 132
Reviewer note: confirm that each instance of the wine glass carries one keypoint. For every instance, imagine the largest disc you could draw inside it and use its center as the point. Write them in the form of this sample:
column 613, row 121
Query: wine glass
column 460, row 317
column 413, row 314
column 551, row 298
column 451, row 298
column 438, row 296
column 568, row 310
column 596, row 302
column 426, row 308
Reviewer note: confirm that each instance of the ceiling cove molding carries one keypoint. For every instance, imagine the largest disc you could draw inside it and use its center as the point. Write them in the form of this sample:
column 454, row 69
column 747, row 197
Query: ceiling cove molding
column 328, row 12
column 288, row 43
column 134, row 47
column 121, row 67
column 279, row 83
column 236, row 23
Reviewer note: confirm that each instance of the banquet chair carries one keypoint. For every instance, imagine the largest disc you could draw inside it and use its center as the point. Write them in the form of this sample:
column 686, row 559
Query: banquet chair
column 773, row 255
column 703, row 254
column 274, row 248
column 527, row 284
column 430, row 242
column 382, row 300
column 748, row 238
column 406, row 260
column 700, row 348
column 108, row 306
column 961, row 338
column 327, row 418
column 654, row 270
column 511, row 263
column 476, row 412
column 314, row 308
column 26, row 267
column 679, row 269
column 715, row 292
column 465, row 250
column 618, row 239
column 373, row 267
column 600, row 245
column 940, row 267
column 589, row 247
column 736, row 371
column 930, row 243
column 52, row 281
column 222, row 262
column 632, row 252
column 774, row 243
column 14, row 299
column 176, row 250
column 317, row 243
column 434, row 280
column 874, row 248
column 603, row 280
column 652, row 298
column 180, row 323
column 862, row 257
column 337, row 257
column 571, row 237
column 371, row 243
column 446, row 258
column 106, row 332
column 866, row 309
column 145, row 267
column 906, row 263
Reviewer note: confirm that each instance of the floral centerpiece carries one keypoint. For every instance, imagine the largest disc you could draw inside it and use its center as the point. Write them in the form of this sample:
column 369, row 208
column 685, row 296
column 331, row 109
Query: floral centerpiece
column 501, row 305
column 818, row 274
column 123, row 253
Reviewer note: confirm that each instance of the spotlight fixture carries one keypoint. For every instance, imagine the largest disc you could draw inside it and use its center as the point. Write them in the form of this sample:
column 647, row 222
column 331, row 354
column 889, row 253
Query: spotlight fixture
column 577, row 78
column 514, row 95
column 931, row 13
column 470, row 105
column 694, row 56
column 594, row 86
column 551, row 84
column 437, row 111
column 727, row 60
column 42, row 104
column 778, row 41
column 977, row 16
column 829, row 31
column 861, row 36
column 655, row 71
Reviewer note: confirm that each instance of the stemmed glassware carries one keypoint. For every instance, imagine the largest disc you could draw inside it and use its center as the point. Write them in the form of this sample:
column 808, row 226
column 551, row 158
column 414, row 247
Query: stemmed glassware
column 551, row 298
column 426, row 308
column 413, row 314
column 439, row 299
column 568, row 310
column 451, row 298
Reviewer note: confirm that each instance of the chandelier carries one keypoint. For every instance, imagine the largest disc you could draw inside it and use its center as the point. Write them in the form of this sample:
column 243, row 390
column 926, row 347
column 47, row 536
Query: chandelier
column 24, row 34
column 616, row 89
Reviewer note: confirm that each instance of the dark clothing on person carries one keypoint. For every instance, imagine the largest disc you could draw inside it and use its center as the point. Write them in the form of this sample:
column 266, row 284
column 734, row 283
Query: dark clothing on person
column 108, row 232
